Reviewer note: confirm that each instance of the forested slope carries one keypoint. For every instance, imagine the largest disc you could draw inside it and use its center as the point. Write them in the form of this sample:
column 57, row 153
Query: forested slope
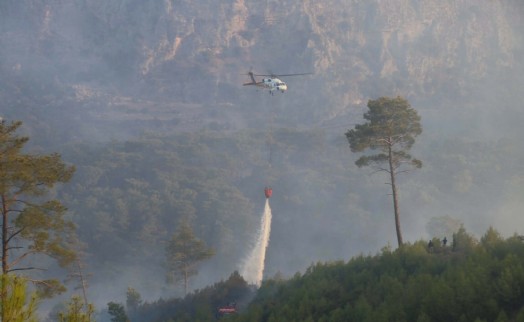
column 469, row 280
column 128, row 197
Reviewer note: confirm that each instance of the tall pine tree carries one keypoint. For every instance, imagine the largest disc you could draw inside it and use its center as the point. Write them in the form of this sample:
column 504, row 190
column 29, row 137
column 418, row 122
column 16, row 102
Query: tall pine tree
column 391, row 127
column 27, row 214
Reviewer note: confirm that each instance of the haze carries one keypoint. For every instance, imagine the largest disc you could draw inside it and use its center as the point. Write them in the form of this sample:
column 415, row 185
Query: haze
column 160, row 82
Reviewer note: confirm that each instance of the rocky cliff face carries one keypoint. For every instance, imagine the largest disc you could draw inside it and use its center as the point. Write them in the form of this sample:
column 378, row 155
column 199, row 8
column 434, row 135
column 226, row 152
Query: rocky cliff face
column 195, row 51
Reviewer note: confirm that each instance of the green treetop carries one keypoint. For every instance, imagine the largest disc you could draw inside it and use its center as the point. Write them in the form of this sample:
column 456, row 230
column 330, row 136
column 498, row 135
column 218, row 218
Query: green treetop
column 77, row 311
column 15, row 304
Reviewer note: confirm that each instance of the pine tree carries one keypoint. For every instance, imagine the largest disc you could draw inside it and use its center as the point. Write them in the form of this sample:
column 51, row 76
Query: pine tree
column 183, row 253
column 133, row 300
column 77, row 311
column 391, row 127
column 15, row 306
column 26, row 214
column 117, row 312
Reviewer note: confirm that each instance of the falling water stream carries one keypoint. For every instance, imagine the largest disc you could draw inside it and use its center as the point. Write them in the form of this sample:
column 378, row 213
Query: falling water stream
column 253, row 266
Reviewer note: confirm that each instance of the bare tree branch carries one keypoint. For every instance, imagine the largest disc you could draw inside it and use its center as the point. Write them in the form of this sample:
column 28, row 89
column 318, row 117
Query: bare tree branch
column 21, row 257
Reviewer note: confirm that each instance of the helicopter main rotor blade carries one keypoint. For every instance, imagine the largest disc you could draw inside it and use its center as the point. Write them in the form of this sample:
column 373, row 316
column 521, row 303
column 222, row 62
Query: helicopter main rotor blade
column 282, row 75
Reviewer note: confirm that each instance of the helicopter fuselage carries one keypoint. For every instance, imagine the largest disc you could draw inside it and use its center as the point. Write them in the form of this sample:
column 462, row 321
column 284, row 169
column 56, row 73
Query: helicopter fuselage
column 274, row 84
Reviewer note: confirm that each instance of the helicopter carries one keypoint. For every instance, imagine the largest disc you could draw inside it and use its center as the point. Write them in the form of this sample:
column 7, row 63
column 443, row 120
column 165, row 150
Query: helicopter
column 271, row 81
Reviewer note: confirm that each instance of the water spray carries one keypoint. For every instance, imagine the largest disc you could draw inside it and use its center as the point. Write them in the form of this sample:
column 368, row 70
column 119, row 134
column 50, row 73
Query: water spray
column 253, row 267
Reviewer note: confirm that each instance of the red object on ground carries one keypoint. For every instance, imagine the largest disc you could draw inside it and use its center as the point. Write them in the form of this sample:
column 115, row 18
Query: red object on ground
column 268, row 192
column 227, row 310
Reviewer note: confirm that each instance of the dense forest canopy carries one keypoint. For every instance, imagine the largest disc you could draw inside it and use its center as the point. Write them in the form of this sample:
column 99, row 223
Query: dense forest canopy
column 465, row 279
